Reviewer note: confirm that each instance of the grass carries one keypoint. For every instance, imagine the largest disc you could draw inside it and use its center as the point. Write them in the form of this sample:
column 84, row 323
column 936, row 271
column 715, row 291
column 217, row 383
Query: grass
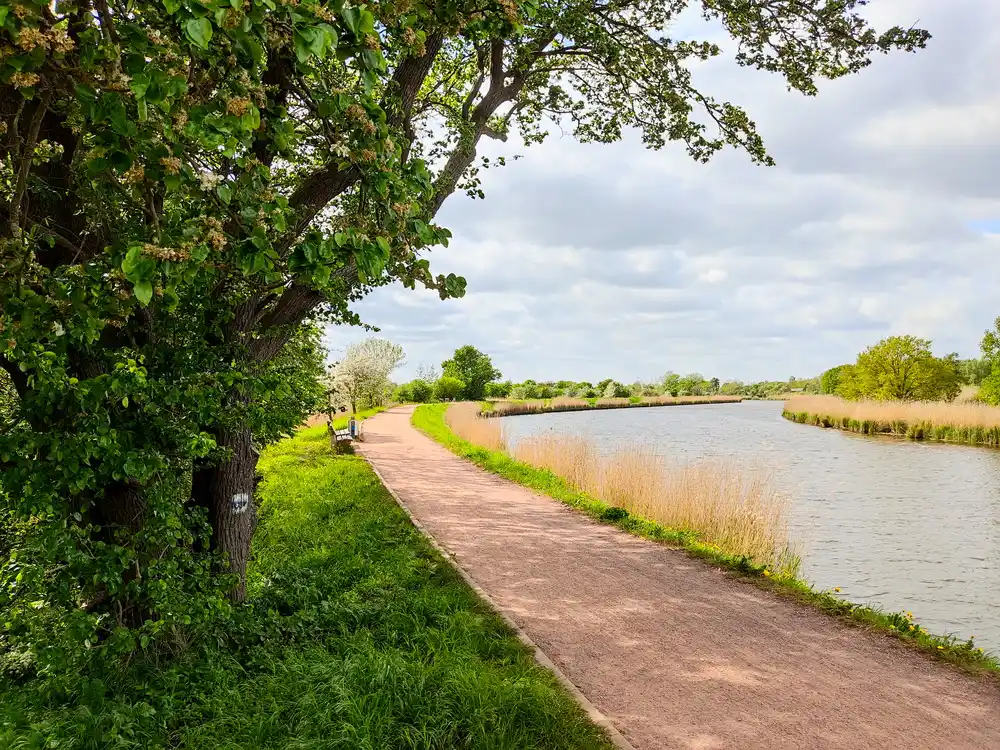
column 357, row 635
column 563, row 403
column 964, row 654
column 952, row 422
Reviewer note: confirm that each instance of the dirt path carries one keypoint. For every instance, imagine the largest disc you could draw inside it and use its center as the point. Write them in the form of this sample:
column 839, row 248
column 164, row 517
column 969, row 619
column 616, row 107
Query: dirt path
column 674, row 652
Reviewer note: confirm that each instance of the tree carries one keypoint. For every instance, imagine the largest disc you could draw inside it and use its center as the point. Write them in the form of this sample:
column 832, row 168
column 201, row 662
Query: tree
column 975, row 371
column 989, row 390
column 428, row 373
column 448, row 388
column 499, row 390
column 614, row 389
column 903, row 368
column 829, row 381
column 473, row 368
column 184, row 185
column 361, row 378
column 421, row 391
column 714, row 384
column 671, row 383
column 691, row 385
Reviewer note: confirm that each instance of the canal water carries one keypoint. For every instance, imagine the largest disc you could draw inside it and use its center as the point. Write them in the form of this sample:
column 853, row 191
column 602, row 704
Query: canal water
column 897, row 524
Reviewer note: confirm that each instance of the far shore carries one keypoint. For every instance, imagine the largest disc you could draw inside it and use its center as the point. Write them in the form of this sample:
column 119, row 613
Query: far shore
column 548, row 406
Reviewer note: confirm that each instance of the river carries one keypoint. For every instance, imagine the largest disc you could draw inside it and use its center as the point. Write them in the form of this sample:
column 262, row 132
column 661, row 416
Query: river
column 897, row 524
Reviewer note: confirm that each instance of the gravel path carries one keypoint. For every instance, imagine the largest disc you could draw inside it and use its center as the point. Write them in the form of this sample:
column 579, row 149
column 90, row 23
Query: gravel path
column 673, row 651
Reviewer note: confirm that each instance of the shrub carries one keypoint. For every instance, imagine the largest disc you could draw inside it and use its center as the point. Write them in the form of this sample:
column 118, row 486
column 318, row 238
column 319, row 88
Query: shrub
column 448, row 388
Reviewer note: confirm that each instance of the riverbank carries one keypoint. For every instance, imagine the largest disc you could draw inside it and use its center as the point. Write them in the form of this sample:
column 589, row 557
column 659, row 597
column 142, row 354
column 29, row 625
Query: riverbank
column 430, row 419
column 948, row 422
column 549, row 406
column 357, row 634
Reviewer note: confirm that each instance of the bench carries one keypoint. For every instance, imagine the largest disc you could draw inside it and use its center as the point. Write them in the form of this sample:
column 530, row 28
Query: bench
column 342, row 436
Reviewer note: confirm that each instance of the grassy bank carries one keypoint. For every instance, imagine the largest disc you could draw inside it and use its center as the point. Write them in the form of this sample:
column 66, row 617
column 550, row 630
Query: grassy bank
column 950, row 422
column 358, row 635
column 562, row 403
column 431, row 420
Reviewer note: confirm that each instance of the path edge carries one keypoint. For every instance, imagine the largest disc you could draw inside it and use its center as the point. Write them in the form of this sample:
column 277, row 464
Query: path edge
column 592, row 711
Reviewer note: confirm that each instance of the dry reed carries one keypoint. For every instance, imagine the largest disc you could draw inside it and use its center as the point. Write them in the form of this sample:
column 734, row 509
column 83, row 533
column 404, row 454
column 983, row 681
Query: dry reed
column 941, row 413
column 729, row 506
column 465, row 421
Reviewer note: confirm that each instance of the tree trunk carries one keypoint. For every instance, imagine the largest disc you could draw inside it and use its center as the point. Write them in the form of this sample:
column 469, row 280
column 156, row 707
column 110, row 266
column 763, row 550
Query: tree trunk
column 227, row 491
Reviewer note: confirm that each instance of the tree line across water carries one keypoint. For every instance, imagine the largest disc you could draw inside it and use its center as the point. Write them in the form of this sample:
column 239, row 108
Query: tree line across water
column 903, row 368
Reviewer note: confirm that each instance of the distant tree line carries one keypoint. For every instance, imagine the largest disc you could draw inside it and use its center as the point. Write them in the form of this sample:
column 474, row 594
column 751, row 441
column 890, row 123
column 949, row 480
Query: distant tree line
column 470, row 375
column 896, row 368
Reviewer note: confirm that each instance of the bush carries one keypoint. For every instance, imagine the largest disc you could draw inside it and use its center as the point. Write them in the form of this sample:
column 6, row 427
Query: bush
column 448, row 388
column 421, row 391
column 499, row 390
column 415, row 392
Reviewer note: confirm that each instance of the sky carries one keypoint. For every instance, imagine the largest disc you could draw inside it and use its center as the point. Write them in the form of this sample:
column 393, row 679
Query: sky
column 882, row 217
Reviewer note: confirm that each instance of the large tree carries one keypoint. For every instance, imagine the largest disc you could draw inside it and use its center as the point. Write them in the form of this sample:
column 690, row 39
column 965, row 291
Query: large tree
column 473, row 368
column 902, row 368
column 185, row 183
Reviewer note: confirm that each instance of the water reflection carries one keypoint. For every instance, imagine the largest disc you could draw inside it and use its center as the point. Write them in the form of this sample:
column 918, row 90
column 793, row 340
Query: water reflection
column 903, row 525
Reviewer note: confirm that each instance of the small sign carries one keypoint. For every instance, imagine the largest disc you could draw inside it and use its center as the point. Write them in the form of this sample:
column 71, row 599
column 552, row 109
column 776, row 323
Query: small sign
column 240, row 503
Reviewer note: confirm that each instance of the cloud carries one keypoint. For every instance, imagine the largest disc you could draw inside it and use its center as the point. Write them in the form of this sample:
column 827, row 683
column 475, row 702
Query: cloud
column 882, row 217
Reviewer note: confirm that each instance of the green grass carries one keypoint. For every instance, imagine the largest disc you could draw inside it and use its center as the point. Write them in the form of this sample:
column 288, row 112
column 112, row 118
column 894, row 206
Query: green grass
column 986, row 436
column 430, row 420
column 358, row 635
column 340, row 423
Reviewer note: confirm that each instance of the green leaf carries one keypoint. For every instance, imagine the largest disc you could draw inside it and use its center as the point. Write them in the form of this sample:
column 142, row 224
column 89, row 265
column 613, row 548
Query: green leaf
column 4, row 10
column 131, row 260
column 225, row 192
column 143, row 292
column 199, row 31
column 125, row 402
column 301, row 47
column 172, row 6
column 352, row 17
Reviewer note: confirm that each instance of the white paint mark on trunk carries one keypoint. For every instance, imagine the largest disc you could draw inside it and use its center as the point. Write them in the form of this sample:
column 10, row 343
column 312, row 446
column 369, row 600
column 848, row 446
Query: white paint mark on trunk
column 240, row 503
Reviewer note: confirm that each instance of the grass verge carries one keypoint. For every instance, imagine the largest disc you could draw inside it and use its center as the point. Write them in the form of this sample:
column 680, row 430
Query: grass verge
column 430, row 419
column 357, row 635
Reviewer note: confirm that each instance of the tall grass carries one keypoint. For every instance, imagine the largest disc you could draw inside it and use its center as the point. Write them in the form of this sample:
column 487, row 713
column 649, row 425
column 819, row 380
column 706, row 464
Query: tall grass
column 465, row 420
column 957, row 422
column 728, row 505
column 562, row 403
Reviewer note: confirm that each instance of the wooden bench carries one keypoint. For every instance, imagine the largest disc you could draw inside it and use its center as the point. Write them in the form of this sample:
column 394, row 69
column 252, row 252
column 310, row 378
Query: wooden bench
column 342, row 436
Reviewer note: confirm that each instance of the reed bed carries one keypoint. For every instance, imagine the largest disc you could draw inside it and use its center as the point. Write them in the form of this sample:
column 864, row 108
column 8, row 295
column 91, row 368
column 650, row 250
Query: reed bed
column 955, row 422
column 562, row 403
column 730, row 506
column 466, row 421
